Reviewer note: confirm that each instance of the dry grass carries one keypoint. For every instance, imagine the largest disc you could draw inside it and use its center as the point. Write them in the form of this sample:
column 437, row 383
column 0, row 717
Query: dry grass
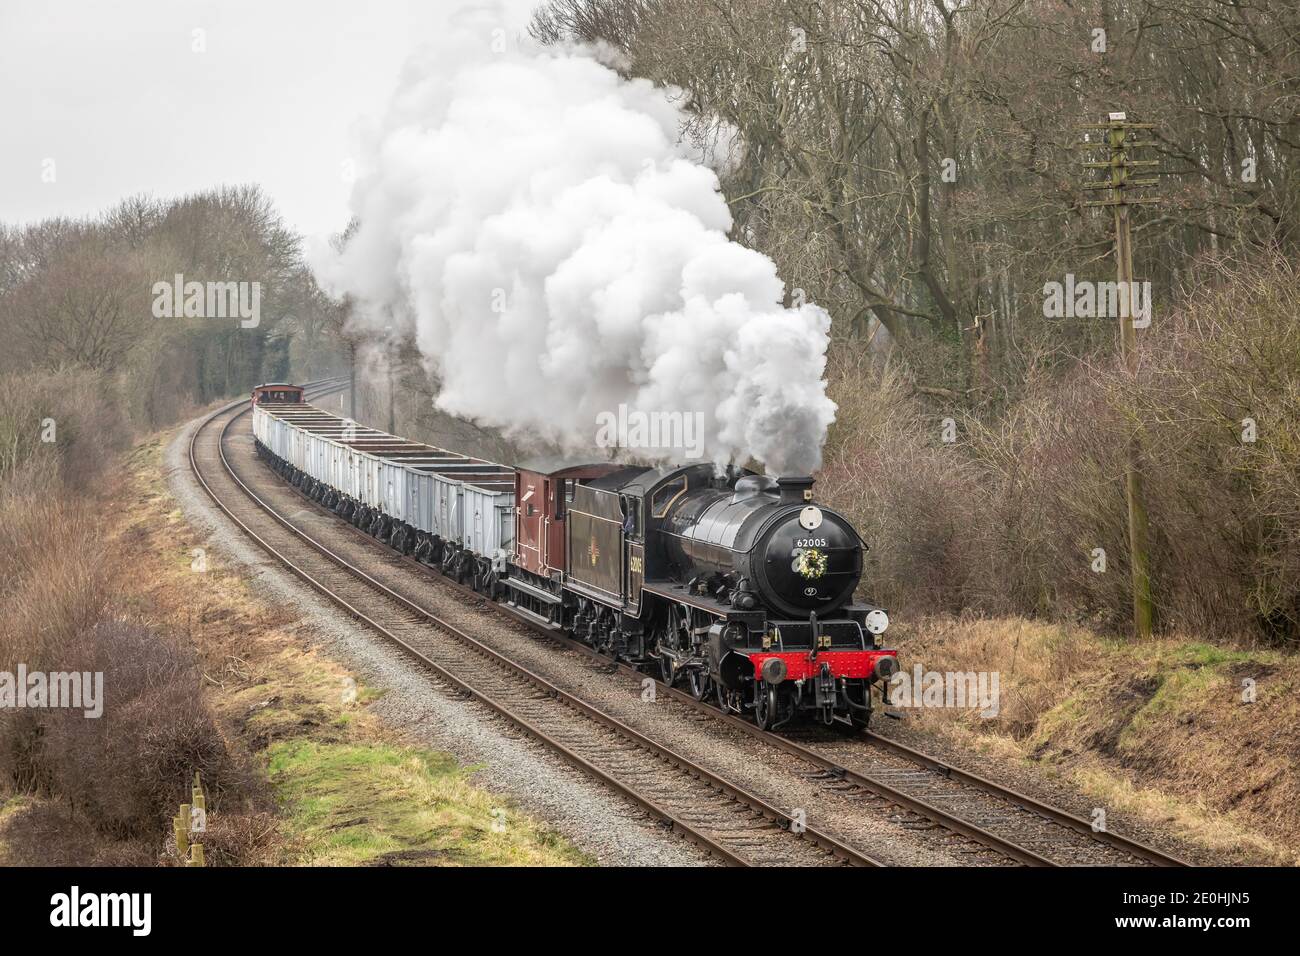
column 1158, row 729
column 113, row 777
column 281, row 708
column 304, row 718
column 101, row 790
column 59, row 427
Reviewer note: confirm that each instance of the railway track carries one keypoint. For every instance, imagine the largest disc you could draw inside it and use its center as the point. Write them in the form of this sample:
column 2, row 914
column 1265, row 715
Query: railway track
column 966, row 803
column 1015, row 824
column 924, row 790
column 723, row 817
column 928, row 787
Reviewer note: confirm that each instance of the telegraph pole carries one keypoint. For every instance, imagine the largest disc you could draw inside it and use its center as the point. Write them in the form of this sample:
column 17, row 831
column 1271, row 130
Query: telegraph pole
column 1117, row 163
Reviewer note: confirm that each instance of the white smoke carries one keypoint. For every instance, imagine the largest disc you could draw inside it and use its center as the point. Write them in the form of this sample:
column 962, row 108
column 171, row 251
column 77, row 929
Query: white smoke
column 533, row 220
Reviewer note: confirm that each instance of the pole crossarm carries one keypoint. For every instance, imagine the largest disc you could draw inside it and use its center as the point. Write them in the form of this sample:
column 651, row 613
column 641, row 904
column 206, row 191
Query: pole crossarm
column 1118, row 144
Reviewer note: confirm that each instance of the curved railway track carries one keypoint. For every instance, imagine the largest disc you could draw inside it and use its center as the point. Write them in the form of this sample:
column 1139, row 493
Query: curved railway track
column 719, row 815
column 1013, row 823
column 734, row 824
column 925, row 785
column 961, row 801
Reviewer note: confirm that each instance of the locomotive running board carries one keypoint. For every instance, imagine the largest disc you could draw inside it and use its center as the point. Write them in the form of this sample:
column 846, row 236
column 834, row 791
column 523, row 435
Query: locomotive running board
column 680, row 595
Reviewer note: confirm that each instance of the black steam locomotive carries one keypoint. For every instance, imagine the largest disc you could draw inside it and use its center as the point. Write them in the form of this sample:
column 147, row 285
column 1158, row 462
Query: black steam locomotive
column 738, row 585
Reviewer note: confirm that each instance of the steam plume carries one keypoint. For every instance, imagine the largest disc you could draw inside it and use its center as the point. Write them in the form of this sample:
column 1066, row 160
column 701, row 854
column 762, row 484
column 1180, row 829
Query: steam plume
column 533, row 220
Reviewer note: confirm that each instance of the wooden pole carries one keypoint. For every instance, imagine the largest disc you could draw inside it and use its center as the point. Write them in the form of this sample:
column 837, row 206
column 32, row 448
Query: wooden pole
column 1138, row 529
column 1119, row 184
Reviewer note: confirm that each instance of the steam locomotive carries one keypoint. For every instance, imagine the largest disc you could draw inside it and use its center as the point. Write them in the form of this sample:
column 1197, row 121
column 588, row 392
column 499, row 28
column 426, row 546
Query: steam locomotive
column 736, row 586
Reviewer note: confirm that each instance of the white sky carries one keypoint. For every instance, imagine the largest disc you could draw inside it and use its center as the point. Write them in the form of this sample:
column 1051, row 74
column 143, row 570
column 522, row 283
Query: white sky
column 113, row 93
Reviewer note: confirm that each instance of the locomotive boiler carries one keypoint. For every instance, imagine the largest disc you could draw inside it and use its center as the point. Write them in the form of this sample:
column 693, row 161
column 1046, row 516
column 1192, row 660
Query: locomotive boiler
column 763, row 541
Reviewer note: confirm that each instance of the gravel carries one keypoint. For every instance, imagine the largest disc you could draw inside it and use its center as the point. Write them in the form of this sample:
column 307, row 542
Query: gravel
column 608, row 827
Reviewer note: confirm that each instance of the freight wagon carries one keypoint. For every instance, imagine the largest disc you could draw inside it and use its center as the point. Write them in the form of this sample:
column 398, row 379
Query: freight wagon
column 441, row 503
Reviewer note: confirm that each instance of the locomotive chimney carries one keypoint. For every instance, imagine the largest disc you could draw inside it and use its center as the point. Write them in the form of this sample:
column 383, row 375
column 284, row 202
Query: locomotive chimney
column 795, row 489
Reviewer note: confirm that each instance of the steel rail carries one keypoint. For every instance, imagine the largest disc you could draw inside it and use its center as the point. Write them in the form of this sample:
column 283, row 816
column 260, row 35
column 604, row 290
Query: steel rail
column 938, row 815
column 1078, row 824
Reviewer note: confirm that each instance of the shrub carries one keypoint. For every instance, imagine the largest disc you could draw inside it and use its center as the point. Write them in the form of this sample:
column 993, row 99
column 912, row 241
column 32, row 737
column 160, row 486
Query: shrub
column 126, row 771
column 86, row 416
column 1007, row 518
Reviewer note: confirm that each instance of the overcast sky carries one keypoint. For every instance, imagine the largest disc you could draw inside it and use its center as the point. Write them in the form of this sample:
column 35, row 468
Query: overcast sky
column 114, row 93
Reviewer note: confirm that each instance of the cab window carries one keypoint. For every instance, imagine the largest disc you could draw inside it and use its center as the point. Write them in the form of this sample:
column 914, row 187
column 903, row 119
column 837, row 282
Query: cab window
column 631, row 508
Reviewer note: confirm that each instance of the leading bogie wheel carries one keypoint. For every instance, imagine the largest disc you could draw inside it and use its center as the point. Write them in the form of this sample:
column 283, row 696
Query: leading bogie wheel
column 765, row 706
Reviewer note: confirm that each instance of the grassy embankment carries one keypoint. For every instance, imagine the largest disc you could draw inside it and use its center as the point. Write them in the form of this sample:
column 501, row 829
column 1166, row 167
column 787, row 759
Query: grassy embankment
column 351, row 790
column 1159, row 730
column 344, row 788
